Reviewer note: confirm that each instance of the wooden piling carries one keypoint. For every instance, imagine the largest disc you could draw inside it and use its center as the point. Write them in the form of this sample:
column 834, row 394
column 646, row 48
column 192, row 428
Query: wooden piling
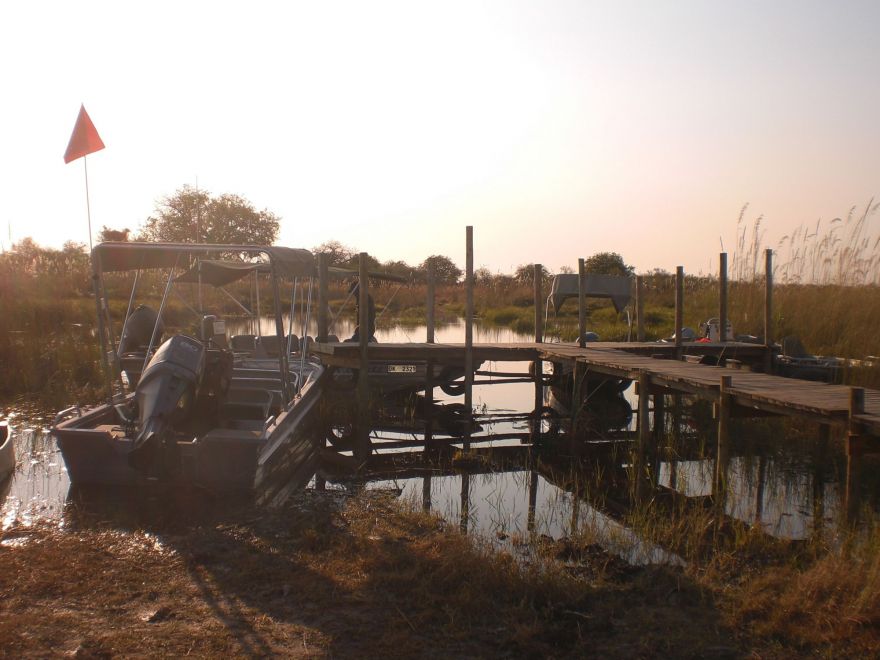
column 854, row 451
column 469, row 331
column 323, row 302
column 768, row 310
column 679, row 308
column 578, row 374
column 582, row 303
column 429, row 323
column 465, row 502
column 538, row 365
column 723, row 448
column 429, row 304
column 640, row 308
column 722, row 296
column 643, row 421
column 362, row 442
column 533, row 501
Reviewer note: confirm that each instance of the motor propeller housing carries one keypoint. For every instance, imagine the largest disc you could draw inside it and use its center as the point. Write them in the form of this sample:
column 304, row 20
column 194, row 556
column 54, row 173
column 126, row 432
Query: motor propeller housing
column 165, row 395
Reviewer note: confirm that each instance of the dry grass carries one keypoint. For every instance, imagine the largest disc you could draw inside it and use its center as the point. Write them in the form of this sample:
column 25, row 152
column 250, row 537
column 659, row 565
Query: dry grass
column 332, row 576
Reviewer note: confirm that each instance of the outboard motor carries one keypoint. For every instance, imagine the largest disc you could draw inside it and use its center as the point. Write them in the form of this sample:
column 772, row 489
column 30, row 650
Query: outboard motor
column 165, row 394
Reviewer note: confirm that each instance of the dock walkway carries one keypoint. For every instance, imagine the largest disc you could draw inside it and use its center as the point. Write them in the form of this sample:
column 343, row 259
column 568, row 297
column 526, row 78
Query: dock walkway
column 818, row 402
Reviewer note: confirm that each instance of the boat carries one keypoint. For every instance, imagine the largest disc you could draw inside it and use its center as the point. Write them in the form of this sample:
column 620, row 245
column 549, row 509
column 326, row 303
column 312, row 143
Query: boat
column 7, row 452
column 191, row 409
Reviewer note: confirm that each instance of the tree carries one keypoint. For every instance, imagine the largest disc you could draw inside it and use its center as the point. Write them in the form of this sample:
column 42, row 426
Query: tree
column 194, row 216
column 525, row 274
column 445, row 270
column 339, row 254
column 608, row 263
column 107, row 234
column 399, row 268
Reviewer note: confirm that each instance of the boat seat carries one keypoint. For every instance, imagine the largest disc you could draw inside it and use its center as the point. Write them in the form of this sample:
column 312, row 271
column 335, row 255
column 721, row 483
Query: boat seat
column 242, row 343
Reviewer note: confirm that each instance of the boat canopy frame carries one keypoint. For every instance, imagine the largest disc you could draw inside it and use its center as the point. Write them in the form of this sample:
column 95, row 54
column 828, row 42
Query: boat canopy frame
column 282, row 262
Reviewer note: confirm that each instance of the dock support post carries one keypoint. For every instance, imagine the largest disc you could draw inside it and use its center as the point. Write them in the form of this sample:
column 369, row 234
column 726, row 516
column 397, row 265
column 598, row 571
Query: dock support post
column 659, row 435
column 722, row 295
column 640, row 308
column 429, row 324
column 768, row 310
column 582, row 303
column 679, row 308
column 578, row 374
column 323, row 323
column 429, row 304
column 723, row 449
column 426, row 492
column 538, row 365
column 644, row 424
column 854, row 451
column 469, row 333
column 465, row 502
column 759, row 490
column 533, row 500
column 362, row 441
column 819, row 459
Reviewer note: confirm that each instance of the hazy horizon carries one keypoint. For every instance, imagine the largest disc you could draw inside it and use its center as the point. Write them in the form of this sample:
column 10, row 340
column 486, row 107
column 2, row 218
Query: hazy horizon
column 558, row 130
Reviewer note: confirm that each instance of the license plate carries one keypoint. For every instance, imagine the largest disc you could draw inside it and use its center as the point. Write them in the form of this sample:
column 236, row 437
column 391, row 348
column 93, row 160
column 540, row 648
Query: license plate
column 401, row 368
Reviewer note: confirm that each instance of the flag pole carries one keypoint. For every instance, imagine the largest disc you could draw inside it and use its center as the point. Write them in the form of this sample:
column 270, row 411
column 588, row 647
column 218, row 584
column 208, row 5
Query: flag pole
column 88, row 206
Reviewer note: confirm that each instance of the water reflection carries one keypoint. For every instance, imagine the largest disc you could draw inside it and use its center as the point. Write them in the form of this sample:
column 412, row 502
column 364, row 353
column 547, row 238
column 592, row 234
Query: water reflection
column 522, row 477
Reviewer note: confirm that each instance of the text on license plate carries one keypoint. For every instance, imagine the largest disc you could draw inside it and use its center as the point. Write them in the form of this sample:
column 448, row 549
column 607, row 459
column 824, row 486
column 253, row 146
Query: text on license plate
column 401, row 368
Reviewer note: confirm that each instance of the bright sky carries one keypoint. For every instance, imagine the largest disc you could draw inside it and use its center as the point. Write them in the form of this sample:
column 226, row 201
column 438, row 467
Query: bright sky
column 556, row 128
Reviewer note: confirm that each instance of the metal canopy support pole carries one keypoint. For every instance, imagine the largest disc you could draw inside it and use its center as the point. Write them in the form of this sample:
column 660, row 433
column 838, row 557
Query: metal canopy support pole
column 722, row 296
column 362, row 442
column 582, row 303
column 279, row 332
column 154, row 336
column 469, row 332
column 98, row 288
column 679, row 308
column 323, row 302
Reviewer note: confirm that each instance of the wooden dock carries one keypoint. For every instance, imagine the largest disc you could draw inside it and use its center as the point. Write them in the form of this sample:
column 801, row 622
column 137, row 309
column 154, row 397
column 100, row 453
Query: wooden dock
column 654, row 363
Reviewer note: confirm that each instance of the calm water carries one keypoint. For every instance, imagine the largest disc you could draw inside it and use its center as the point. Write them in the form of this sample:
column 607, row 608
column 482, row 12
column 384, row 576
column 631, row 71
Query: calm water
column 515, row 484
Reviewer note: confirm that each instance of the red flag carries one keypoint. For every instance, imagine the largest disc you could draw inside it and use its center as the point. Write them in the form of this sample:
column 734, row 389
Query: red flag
column 84, row 139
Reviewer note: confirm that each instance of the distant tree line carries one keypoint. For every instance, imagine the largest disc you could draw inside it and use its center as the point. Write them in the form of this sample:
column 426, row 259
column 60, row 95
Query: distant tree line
column 193, row 215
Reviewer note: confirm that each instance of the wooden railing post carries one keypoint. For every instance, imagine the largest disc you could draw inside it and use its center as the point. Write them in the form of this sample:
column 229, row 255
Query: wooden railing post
column 722, row 295
column 679, row 308
column 362, row 440
column 469, row 330
column 582, row 303
column 768, row 310
column 429, row 303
